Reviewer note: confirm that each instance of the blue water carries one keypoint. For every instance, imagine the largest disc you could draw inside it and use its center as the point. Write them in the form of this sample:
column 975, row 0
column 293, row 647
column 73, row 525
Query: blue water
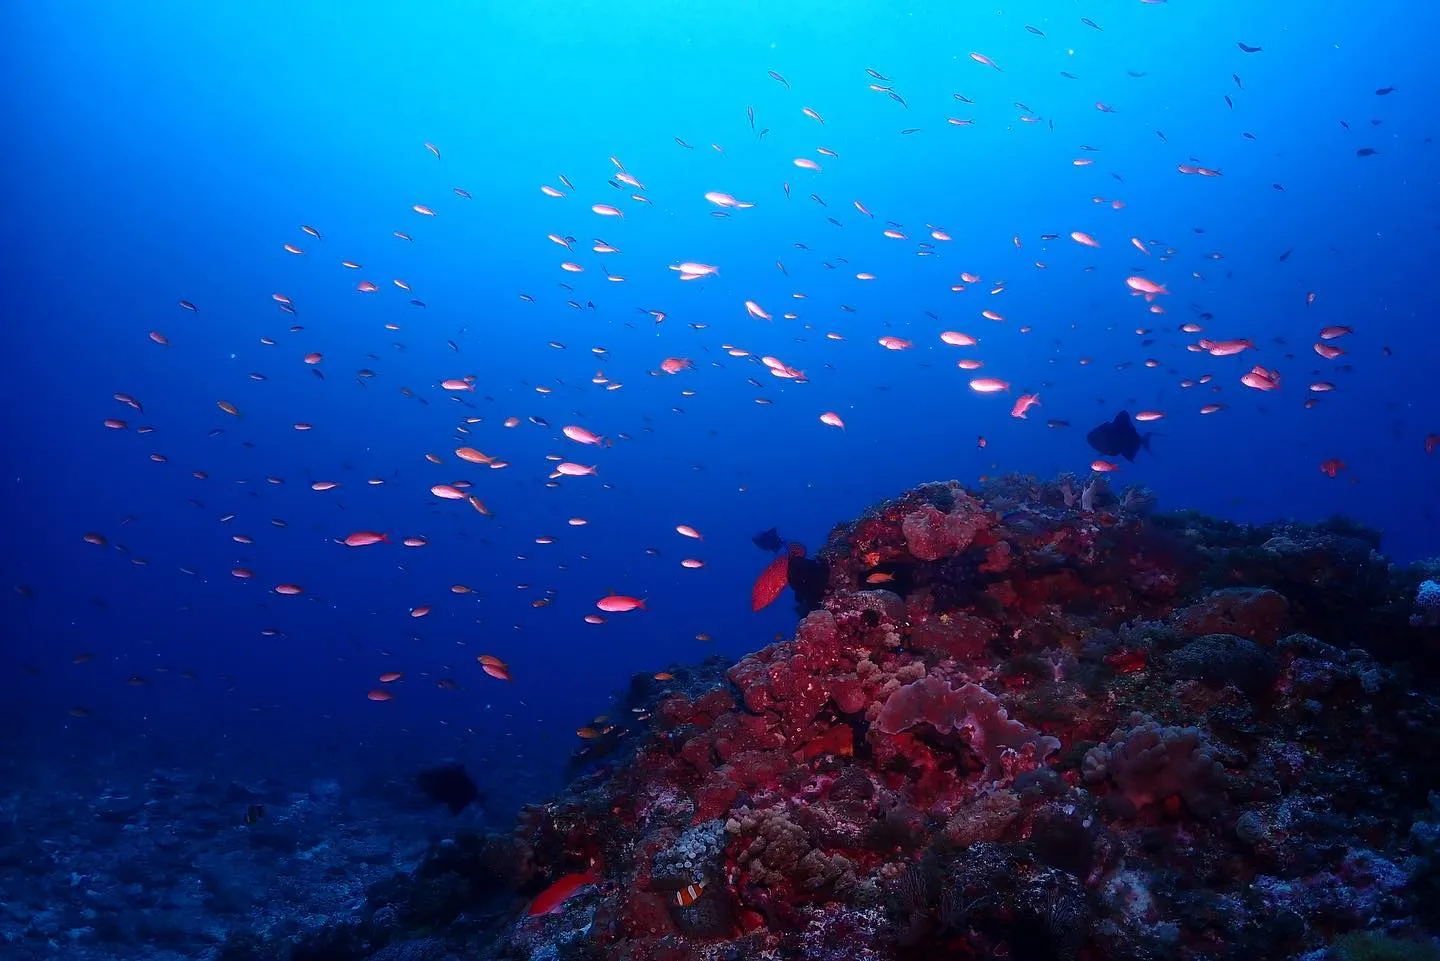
column 166, row 152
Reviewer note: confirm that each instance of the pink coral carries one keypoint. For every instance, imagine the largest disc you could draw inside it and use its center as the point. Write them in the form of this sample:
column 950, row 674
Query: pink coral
column 931, row 534
column 970, row 710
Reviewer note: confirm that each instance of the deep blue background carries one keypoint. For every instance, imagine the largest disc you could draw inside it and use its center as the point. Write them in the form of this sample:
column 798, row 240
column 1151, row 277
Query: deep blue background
column 159, row 152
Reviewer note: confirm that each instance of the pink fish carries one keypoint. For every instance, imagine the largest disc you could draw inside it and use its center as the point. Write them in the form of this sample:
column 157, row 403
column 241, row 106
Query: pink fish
column 620, row 603
column 580, row 435
column 1142, row 286
column 1261, row 379
column 988, row 385
column 1023, row 403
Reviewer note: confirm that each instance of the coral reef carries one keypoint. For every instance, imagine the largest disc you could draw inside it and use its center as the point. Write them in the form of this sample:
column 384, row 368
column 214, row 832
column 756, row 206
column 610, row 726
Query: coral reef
column 1059, row 726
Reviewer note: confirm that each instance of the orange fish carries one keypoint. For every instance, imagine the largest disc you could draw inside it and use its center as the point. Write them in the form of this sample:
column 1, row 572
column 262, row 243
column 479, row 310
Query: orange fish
column 1432, row 442
column 689, row 894
column 550, row 900
column 1332, row 467
column 473, row 456
column 365, row 538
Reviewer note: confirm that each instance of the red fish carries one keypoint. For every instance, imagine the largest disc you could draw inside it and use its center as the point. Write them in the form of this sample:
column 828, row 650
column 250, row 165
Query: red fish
column 1126, row 661
column 550, row 900
column 773, row 579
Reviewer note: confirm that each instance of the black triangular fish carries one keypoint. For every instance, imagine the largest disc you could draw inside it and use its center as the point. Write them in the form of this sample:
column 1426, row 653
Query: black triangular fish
column 768, row 541
column 1118, row 437
column 448, row 784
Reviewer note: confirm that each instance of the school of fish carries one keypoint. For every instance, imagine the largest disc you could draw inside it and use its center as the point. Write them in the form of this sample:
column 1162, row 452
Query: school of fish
column 739, row 335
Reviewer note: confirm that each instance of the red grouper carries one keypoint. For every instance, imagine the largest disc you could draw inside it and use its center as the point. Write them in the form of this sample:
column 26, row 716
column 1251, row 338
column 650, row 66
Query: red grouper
column 774, row 578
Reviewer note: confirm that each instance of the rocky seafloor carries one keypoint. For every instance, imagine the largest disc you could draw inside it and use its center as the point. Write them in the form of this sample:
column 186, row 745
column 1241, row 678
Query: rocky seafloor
column 1029, row 722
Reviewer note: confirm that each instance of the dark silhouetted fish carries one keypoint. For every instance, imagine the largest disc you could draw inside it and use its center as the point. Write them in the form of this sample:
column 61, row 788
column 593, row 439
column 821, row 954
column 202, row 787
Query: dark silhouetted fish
column 448, row 784
column 1118, row 437
column 768, row 540
column 808, row 578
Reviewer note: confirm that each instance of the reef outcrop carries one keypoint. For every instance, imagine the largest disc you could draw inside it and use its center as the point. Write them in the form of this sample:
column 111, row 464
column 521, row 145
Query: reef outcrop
column 1018, row 725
